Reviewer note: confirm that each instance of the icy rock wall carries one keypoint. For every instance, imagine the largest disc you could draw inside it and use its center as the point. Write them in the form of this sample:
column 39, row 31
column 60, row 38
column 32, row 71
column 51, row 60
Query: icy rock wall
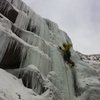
column 26, row 38
column 64, row 82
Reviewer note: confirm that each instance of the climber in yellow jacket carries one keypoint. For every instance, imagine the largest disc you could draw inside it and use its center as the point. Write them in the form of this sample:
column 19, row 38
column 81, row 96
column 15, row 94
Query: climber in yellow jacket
column 66, row 52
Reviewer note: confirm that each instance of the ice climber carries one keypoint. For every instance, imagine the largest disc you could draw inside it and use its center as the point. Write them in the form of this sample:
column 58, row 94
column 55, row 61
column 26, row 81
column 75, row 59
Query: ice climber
column 66, row 53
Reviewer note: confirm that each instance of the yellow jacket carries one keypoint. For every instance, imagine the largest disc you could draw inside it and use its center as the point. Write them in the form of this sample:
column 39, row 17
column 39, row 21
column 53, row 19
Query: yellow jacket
column 66, row 46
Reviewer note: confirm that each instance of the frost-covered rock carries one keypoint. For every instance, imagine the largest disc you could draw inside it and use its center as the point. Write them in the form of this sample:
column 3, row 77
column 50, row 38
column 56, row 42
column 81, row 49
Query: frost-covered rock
column 32, row 78
column 91, row 94
column 8, row 10
column 12, row 89
column 19, row 50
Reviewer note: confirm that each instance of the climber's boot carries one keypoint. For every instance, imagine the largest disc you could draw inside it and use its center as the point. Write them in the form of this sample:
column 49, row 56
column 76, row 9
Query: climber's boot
column 72, row 64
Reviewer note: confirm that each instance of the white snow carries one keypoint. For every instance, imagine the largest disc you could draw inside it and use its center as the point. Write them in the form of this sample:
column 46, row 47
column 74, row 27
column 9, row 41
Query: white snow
column 12, row 89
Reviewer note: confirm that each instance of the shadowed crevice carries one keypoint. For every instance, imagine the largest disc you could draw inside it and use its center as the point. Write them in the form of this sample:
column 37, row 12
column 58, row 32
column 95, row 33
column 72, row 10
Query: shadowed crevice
column 12, row 56
column 8, row 11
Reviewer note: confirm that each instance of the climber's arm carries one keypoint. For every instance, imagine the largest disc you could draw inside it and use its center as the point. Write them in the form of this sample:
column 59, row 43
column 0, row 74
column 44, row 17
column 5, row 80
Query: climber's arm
column 61, row 49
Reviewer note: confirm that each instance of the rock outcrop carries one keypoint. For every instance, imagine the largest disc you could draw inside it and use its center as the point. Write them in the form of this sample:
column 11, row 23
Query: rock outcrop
column 34, row 68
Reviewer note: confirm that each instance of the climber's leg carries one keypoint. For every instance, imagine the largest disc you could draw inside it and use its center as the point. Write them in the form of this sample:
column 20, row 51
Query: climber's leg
column 71, row 62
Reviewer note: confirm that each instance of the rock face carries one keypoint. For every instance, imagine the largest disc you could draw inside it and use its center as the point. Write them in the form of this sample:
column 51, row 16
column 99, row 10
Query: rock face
column 28, row 50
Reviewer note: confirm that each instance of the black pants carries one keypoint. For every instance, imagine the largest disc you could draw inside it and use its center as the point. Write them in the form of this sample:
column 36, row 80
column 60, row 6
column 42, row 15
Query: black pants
column 67, row 56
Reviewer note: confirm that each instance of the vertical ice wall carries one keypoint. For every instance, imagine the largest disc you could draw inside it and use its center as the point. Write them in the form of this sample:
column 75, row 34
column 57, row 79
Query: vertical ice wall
column 64, row 83
column 33, row 40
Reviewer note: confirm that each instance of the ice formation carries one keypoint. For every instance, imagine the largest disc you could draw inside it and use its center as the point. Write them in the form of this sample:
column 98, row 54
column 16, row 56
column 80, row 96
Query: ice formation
column 32, row 68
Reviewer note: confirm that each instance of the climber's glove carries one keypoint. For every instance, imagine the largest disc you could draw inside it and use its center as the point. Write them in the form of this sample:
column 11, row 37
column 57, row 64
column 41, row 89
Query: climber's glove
column 59, row 48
